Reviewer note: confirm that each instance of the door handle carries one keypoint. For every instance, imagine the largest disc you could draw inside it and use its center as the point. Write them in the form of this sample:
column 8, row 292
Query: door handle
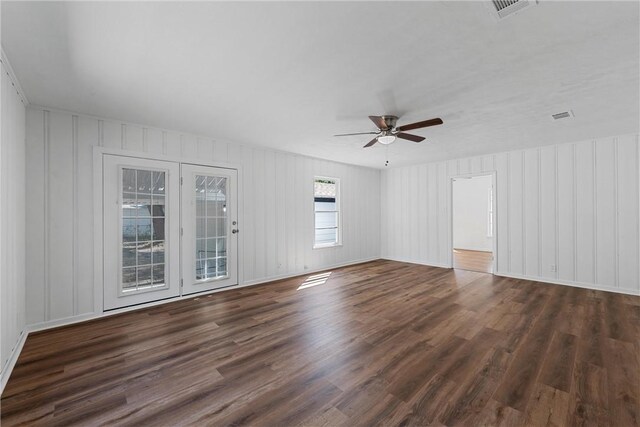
column 235, row 230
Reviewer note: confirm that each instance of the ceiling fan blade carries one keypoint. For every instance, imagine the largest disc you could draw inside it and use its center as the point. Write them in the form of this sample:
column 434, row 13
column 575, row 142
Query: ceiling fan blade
column 408, row 136
column 379, row 122
column 370, row 143
column 359, row 133
column 418, row 125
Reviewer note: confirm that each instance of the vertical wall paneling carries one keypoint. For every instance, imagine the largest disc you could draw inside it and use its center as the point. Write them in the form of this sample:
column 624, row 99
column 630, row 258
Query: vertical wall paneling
column 434, row 218
column 154, row 140
column 547, row 212
column 568, row 213
column 276, row 236
column 423, row 213
column 173, row 144
column 204, row 149
column 584, row 188
column 270, row 190
column 13, row 226
column 247, row 226
column 628, row 193
column 133, row 138
column 443, row 212
column 74, row 214
column 415, row 209
column 88, row 136
column 605, row 211
column 47, row 231
column 36, row 217
column 111, row 133
column 531, row 213
column 60, row 215
column 517, row 214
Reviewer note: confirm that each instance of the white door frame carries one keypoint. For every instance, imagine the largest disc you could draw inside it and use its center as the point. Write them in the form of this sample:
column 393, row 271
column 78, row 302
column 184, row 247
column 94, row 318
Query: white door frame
column 494, row 182
column 98, row 249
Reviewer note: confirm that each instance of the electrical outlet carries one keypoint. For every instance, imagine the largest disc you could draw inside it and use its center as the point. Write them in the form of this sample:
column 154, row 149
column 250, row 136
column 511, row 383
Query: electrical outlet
column 554, row 268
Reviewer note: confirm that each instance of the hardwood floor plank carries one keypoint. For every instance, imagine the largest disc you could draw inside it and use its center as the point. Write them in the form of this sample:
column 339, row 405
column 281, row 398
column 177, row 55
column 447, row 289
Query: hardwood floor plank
column 379, row 343
column 623, row 370
column 518, row 385
column 557, row 370
column 498, row 415
column 548, row 407
column 471, row 398
column 589, row 400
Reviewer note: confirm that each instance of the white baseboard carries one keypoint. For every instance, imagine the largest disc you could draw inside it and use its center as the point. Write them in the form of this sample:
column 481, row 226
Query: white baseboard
column 415, row 261
column 582, row 285
column 41, row 326
column 303, row 272
column 6, row 371
column 11, row 362
column 90, row 316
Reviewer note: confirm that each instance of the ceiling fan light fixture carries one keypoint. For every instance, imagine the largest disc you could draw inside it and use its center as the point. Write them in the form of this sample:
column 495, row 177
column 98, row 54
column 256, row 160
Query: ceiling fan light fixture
column 386, row 139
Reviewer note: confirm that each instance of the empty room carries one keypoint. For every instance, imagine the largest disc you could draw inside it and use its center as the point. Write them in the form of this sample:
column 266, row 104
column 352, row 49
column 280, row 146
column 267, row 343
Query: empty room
column 320, row 213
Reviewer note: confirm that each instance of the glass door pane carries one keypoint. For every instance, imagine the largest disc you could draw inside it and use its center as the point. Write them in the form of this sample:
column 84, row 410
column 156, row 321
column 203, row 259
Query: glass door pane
column 208, row 220
column 143, row 230
column 211, row 227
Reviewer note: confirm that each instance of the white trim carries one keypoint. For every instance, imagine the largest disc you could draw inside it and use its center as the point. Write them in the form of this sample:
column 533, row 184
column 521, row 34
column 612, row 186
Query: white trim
column 98, row 154
column 91, row 316
column 329, row 245
column 12, row 76
column 415, row 261
column 150, row 156
column 191, row 284
column 42, row 326
column 494, row 240
column 13, row 358
column 305, row 272
column 572, row 283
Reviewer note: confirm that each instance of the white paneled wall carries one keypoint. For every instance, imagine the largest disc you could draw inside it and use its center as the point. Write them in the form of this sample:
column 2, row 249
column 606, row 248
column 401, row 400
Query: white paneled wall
column 277, row 197
column 573, row 206
column 12, row 221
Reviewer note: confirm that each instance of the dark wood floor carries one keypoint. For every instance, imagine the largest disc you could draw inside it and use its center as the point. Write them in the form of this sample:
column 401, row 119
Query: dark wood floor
column 382, row 343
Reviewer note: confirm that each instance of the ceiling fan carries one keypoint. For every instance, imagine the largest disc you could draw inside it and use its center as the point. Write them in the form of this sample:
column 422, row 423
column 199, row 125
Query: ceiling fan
column 389, row 132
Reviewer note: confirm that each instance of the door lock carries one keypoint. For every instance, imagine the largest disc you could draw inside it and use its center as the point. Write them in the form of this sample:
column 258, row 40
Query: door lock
column 235, row 230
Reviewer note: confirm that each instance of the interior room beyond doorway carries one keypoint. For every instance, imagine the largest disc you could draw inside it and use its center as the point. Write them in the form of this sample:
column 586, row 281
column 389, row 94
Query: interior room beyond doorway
column 473, row 223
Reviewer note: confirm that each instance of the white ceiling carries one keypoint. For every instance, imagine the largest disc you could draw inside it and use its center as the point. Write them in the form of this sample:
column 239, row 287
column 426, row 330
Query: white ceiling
column 290, row 75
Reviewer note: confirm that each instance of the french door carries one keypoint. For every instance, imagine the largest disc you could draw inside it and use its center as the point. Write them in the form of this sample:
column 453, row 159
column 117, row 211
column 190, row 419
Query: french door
column 210, row 231
column 141, row 230
column 166, row 234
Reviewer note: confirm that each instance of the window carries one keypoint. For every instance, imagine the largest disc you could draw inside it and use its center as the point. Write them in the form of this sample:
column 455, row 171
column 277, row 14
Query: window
column 143, row 229
column 490, row 214
column 211, row 227
column 326, row 202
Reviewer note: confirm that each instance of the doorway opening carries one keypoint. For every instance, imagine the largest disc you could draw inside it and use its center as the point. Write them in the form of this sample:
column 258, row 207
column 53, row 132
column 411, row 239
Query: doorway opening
column 473, row 223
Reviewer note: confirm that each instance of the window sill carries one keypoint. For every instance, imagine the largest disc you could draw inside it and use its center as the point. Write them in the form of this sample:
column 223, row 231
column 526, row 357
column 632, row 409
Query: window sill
column 333, row 245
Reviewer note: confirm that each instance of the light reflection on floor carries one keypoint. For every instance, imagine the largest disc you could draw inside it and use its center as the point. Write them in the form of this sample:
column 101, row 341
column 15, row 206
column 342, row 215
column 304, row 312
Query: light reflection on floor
column 315, row 280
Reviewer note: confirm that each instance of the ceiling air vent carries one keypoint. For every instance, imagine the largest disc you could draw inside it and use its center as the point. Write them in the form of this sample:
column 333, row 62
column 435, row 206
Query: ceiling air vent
column 563, row 115
column 500, row 9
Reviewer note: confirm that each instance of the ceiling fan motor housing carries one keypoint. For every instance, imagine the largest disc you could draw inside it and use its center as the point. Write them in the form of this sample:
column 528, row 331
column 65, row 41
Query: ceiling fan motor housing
column 390, row 121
